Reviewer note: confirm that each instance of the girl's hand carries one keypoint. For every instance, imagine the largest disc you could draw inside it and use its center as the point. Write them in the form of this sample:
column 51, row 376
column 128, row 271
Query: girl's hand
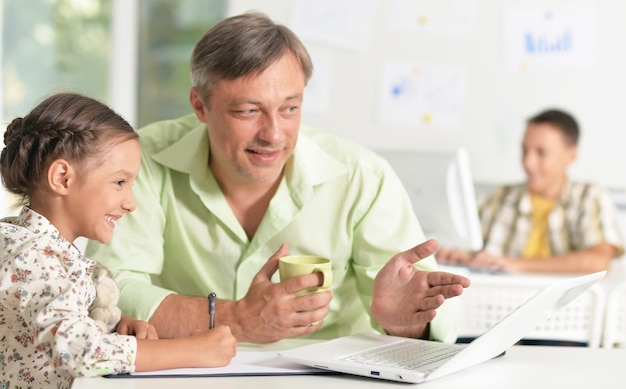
column 139, row 328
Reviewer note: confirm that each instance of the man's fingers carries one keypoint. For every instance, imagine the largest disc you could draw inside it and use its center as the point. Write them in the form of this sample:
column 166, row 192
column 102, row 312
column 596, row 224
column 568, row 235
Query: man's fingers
column 270, row 267
column 304, row 281
column 447, row 291
column 442, row 278
column 421, row 251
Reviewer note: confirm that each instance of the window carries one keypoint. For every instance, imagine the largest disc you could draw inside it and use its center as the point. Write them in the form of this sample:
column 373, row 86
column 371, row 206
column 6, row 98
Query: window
column 52, row 46
column 130, row 54
column 168, row 32
column 88, row 46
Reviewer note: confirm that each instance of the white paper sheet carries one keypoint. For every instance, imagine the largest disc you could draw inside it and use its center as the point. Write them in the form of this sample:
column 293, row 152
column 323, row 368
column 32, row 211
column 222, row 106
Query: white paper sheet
column 244, row 363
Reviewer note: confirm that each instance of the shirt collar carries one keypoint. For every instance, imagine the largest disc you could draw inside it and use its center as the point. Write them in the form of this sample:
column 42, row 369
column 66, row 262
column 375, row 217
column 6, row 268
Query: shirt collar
column 310, row 165
column 41, row 226
column 525, row 205
column 37, row 224
column 566, row 193
column 183, row 154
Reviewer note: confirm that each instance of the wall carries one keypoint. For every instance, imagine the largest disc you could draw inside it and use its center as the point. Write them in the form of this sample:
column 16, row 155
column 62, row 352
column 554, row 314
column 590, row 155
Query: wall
column 494, row 102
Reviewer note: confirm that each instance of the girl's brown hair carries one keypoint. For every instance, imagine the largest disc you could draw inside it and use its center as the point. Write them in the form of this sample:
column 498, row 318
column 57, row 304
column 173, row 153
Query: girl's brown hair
column 65, row 125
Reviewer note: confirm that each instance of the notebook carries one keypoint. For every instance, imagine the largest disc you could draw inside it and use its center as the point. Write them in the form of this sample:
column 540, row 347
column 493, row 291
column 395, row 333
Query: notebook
column 349, row 354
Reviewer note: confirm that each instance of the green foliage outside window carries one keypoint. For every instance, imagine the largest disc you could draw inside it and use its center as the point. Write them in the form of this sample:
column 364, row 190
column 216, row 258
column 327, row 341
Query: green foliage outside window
column 168, row 32
column 50, row 46
column 65, row 45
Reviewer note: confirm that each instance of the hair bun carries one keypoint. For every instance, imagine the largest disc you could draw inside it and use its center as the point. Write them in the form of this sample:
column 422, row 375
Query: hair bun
column 14, row 130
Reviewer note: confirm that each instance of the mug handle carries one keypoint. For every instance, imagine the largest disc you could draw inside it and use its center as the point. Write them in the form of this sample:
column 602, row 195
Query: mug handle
column 328, row 278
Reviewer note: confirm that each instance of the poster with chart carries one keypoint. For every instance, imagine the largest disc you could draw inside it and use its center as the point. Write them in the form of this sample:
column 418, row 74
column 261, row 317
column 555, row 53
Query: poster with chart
column 418, row 95
column 345, row 24
column 454, row 18
column 549, row 37
column 442, row 74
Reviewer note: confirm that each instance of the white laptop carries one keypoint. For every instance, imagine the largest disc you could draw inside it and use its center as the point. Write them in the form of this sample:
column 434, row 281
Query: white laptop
column 388, row 357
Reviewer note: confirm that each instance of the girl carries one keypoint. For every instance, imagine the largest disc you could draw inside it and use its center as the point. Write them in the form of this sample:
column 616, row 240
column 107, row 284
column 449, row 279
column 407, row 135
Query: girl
column 72, row 161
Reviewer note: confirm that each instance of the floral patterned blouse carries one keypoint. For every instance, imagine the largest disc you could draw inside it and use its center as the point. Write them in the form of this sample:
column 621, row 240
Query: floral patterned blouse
column 46, row 334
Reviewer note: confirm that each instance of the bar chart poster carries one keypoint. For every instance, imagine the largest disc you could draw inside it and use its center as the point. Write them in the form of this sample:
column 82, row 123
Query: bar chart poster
column 538, row 38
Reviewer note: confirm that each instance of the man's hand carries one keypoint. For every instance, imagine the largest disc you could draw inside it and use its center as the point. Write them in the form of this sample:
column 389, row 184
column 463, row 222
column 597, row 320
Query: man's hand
column 267, row 313
column 405, row 299
column 270, row 312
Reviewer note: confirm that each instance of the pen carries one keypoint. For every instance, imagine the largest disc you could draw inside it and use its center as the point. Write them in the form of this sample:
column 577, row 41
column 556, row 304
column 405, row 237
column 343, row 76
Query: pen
column 211, row 298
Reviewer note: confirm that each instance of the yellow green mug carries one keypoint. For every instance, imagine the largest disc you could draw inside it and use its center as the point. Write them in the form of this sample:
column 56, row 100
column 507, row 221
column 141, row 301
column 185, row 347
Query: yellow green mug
column 294, row 265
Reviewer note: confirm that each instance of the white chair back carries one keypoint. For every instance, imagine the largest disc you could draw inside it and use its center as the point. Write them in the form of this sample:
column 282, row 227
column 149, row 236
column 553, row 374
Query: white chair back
column 491, row 297
column 615, row 318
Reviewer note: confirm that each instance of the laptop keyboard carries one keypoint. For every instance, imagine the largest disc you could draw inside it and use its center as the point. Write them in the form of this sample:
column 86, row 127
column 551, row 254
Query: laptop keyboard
column 407, row 355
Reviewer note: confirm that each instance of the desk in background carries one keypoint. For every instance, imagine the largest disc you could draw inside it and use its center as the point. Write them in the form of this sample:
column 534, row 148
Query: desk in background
column 492, row 297
column 597, row 318
column 522, row 367
column 614, row 326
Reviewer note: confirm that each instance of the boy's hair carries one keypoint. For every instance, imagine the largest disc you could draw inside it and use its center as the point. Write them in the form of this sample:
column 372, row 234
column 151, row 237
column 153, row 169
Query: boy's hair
column 240, row 46
column 561, row 120
column 65, row 125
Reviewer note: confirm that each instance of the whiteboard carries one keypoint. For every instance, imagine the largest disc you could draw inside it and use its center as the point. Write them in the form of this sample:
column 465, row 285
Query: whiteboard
column 495, row 102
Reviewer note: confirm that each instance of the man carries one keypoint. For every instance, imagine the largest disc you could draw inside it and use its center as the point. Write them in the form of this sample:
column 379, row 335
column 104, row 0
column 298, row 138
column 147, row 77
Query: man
column 222, row 190
column 549, row 223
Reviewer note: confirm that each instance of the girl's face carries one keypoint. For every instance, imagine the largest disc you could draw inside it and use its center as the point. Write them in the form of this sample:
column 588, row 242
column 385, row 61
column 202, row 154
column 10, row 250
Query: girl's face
column 102, row 195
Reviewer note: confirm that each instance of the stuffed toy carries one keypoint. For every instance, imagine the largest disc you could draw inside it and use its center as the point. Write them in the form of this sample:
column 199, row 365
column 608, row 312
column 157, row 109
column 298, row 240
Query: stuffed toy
column 104, row 309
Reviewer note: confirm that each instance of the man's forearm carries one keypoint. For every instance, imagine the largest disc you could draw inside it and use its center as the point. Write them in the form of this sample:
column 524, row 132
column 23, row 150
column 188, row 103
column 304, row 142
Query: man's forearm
column 180, row 316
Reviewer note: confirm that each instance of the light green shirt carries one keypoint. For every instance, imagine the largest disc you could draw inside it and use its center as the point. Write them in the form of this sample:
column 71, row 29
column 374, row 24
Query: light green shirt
column 336, row 200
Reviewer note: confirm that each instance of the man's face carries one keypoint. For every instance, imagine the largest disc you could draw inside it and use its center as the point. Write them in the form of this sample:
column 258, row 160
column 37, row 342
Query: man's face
column 546, row 156
column 253, row 123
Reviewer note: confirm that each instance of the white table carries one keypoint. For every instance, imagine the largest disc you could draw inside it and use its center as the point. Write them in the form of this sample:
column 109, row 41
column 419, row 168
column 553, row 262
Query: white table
column 522, row 367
